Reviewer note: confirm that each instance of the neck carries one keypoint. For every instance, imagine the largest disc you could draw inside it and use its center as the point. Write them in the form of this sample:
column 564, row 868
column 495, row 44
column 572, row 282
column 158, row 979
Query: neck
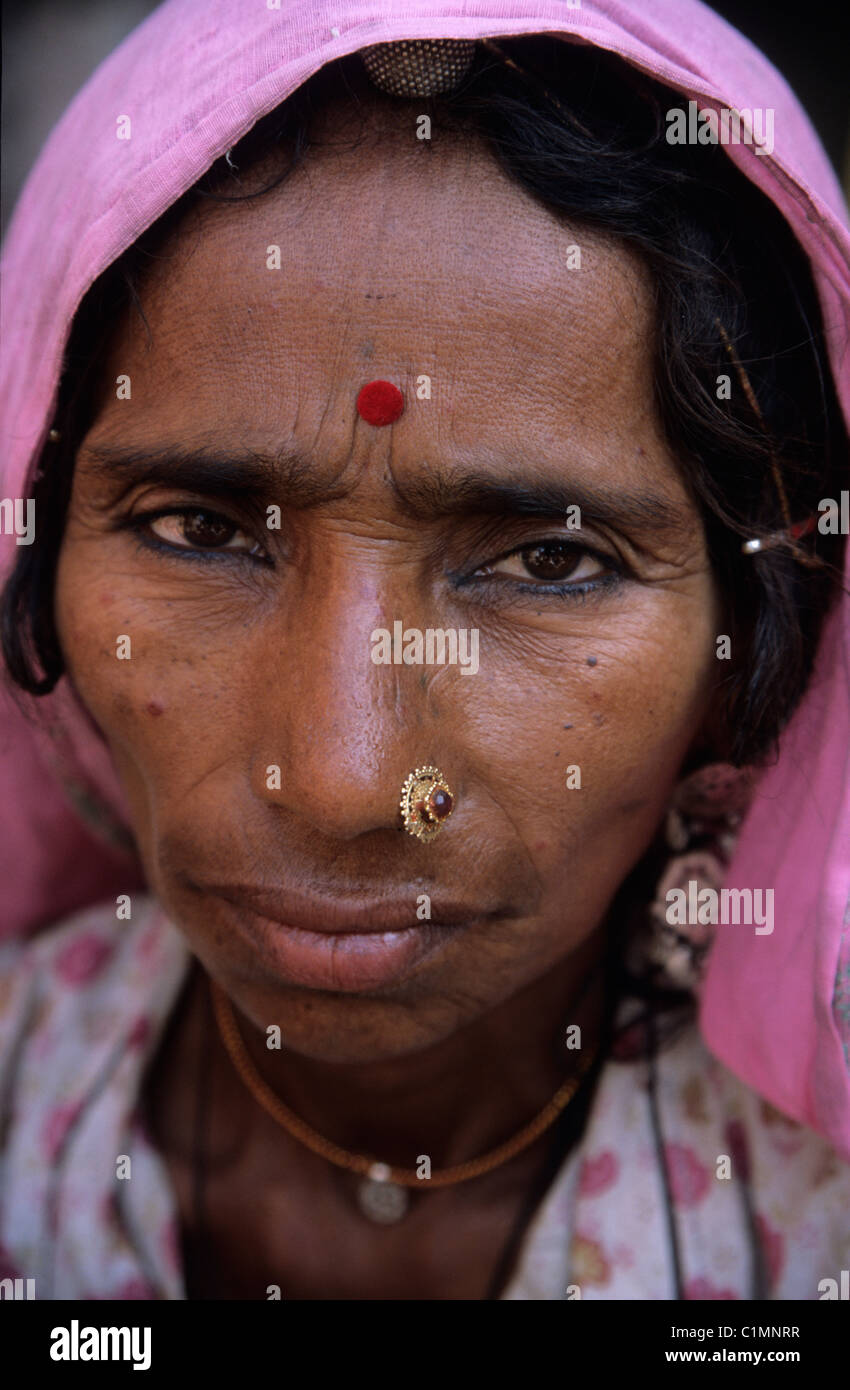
column 459, row 1097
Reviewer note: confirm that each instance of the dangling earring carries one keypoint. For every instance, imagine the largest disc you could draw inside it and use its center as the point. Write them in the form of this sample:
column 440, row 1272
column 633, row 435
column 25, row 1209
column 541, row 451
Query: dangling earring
column 701, row 829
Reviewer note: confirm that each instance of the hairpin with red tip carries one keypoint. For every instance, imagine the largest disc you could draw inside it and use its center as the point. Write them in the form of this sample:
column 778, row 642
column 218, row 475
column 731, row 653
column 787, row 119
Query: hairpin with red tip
column 793, row 531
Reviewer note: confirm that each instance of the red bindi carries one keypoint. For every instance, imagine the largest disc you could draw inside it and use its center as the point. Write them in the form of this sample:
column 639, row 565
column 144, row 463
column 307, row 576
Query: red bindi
column 379, row 403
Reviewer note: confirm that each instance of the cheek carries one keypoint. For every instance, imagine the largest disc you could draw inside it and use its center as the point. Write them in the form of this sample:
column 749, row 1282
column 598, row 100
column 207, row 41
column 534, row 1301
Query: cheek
column 149, row 678
column 88, row 623
column 582, row 753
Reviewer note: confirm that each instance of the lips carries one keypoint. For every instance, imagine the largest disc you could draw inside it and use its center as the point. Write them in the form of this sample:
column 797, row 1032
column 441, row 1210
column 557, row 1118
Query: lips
column 342, row 945
column 341, row 916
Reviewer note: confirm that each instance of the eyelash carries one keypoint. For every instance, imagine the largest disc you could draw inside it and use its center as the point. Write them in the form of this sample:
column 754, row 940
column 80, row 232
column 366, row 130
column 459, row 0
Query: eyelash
column 581, row 590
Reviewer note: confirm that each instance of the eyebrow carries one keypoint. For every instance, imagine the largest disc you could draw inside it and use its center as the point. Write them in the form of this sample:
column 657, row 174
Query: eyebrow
column 535, row 496
column 291, row 476
column 215, row 471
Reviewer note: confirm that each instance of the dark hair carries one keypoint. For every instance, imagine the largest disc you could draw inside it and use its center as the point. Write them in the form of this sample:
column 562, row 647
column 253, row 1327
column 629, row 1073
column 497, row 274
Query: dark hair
column 584, row 134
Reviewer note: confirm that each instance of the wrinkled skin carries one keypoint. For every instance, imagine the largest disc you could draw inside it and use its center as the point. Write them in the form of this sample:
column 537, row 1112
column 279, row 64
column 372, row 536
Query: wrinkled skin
column 396, row 261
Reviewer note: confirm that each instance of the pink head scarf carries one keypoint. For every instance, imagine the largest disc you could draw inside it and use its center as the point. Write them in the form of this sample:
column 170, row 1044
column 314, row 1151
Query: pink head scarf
column 193, row 79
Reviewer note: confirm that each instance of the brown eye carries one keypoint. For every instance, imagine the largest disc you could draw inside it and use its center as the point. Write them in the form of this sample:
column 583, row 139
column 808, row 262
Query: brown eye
column 201, row 530
column 207, row 530
column 551, row 561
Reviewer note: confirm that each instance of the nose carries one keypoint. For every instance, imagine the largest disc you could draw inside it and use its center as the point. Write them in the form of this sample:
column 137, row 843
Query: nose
column 344, row 730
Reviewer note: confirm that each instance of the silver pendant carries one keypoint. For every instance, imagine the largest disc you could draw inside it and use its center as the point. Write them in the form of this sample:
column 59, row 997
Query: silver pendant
column 379, row 1198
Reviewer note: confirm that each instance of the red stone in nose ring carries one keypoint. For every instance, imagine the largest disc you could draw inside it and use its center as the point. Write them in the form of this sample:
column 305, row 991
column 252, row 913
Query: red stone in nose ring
column 426, row 803
column 379, row 403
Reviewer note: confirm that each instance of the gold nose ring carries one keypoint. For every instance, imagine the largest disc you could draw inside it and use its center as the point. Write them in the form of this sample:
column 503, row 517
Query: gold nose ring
column 427, row 801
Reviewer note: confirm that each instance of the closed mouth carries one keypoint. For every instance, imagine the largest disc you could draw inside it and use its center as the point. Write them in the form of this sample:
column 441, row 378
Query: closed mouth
column 345, row 916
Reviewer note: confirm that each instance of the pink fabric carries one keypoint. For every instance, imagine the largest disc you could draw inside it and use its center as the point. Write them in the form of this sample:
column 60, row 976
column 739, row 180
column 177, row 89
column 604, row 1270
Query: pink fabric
column 193, row 79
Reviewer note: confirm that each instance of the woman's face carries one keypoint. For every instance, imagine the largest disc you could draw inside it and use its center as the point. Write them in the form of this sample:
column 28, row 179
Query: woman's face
column 251, row 645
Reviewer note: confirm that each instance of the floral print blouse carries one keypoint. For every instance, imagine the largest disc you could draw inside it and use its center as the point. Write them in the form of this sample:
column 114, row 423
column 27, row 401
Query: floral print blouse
column 759, row 1205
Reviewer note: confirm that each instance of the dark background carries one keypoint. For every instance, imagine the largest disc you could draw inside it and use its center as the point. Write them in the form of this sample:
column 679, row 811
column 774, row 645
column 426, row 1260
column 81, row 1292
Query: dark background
column 51, row 46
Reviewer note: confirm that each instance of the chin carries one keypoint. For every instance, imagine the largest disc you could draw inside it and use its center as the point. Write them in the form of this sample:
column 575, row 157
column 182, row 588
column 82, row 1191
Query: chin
column 345, row 1028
